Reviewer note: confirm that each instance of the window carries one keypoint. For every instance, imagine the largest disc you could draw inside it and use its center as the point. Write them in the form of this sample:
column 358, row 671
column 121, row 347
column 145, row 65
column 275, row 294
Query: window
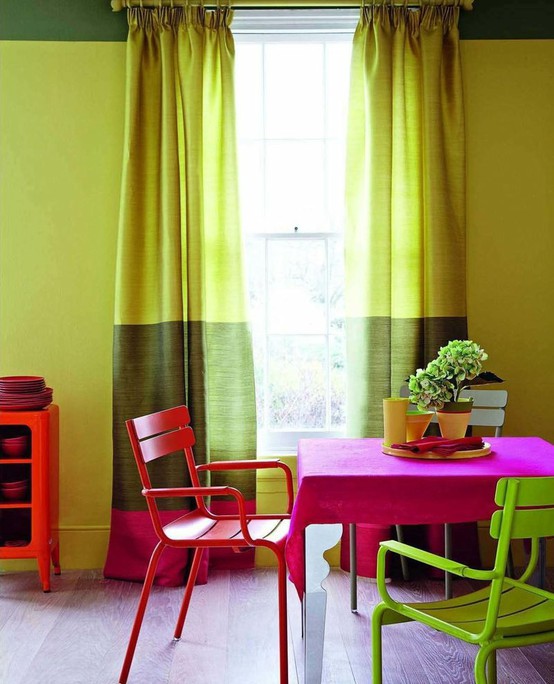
column 292, row 75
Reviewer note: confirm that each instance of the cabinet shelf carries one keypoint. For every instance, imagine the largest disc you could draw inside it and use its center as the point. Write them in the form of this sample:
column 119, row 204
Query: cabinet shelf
column 34, row 518
column 15, row 504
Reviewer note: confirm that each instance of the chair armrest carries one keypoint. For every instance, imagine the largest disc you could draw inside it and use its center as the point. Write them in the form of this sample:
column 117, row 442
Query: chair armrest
column 425, row 557
column 166, row 492
column 206, row 491
column 247, row 464
column 251, row 464
column 435, row 561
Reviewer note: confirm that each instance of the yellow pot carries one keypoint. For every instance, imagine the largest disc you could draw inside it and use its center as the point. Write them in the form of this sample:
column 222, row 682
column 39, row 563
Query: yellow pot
column 394, row 420
column 416, row 424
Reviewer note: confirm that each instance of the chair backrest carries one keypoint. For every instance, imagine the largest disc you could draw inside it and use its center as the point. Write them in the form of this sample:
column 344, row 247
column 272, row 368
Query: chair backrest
column 162, row 434
column 526, row 511
column 489, row 407
column 527, row 508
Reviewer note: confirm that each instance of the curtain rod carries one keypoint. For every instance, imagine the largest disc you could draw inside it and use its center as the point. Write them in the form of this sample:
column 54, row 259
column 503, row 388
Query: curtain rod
column 118, row 5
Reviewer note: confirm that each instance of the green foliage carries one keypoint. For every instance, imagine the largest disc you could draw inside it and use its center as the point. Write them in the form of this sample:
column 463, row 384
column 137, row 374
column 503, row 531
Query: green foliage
column 457, row 365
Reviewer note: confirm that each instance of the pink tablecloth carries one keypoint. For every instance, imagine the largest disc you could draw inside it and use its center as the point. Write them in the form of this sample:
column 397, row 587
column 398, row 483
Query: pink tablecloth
column 352, row 481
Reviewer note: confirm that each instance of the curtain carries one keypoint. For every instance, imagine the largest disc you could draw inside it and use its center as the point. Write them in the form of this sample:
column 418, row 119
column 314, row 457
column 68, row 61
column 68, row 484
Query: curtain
column 405, row 231
column 405, row 289
column 181, row 333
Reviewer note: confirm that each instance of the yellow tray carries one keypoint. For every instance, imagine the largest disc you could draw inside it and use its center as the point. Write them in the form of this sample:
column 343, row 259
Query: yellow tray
column 431, row 456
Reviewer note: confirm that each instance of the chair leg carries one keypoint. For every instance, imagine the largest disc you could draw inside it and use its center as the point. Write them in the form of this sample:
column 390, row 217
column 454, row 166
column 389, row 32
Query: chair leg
column 485, row 660
column 353, row 568
column 283, row 625
column 491, row 668
column 145, row 593
column 193, row 572
column 376, row 643
column 403, row 560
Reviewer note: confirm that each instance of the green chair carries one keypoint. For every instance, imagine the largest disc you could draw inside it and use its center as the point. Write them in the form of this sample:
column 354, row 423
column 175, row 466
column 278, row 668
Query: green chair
column 508, row 613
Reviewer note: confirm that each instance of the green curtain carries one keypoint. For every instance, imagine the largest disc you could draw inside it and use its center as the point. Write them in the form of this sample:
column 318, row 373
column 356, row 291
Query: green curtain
column 181, row 332
column 405, row 179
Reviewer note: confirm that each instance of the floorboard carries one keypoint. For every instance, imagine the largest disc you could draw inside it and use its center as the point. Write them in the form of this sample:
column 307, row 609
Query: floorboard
column 78, row 633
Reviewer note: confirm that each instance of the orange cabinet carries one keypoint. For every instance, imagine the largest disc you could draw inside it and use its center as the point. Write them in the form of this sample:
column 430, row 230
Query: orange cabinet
column 29, row 488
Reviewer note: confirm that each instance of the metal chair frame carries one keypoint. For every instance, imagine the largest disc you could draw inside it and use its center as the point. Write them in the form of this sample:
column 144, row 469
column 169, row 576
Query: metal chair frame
column 508, row 613
column 166, row 432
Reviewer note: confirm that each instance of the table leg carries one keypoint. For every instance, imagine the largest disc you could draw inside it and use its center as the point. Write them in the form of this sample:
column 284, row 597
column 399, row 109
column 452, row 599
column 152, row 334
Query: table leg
column 353, row 568
column 318, row 538
column 447, row 554
column 538, row 578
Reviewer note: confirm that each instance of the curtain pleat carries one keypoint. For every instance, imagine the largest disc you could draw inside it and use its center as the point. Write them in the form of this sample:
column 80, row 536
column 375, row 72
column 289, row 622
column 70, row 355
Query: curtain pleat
column 181, row 332
column 405, row 179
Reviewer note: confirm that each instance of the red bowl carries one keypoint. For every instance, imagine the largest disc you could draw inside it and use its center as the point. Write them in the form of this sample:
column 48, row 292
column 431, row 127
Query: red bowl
column 13, row 449
column 15, row 494
column 14, row 483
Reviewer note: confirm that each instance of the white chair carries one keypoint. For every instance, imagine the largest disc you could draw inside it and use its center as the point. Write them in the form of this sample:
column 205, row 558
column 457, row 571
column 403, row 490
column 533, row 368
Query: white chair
column 489, row 410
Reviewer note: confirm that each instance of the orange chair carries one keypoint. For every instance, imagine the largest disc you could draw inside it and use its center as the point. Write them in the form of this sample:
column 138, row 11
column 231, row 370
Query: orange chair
column 166, row 432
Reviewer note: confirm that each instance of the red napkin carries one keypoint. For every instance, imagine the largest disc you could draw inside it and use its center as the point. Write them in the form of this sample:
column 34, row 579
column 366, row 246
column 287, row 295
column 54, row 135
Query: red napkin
column 440, row 445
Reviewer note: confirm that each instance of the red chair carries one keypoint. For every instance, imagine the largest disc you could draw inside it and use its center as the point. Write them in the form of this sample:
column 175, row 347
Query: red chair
column 160, row 434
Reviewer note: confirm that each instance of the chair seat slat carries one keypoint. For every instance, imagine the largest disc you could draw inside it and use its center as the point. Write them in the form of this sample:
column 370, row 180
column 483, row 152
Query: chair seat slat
column 263, row 529
column 190, row 526
column 518, row 609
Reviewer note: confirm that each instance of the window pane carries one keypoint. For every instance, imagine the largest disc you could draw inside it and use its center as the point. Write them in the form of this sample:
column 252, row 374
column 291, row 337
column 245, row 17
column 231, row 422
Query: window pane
column 336, row 165
column 294, row 102
column 260, row 381
column 297, row 382
column 295, row 186
column 291, row 118
column 256, row 269
column 337, row 381
column 336, row 285
column 248, row 91
column 297, row 286
column 251, row 173
column 337, row 85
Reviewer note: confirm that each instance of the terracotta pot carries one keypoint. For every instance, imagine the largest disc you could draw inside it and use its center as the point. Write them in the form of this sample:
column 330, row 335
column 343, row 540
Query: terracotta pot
column 454, row 418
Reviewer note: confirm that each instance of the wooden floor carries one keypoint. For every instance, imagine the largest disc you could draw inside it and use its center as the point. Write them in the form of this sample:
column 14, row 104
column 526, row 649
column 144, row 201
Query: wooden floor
column 77, row 634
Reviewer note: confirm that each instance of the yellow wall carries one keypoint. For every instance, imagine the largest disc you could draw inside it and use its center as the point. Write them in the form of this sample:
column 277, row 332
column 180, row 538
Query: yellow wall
column 61, row 131
column 509, row 95
column 60, row 149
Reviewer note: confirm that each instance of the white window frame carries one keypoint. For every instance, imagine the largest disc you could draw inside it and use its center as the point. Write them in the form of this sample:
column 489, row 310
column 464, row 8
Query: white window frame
column 293, row 26
column 285, row 441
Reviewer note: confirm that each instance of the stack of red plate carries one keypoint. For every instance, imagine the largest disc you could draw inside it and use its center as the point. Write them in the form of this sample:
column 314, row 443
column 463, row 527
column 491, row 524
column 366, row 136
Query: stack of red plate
column 24, row 393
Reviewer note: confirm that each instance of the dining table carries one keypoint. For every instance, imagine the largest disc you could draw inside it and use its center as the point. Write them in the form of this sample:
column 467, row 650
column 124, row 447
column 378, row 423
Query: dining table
column 344, row 481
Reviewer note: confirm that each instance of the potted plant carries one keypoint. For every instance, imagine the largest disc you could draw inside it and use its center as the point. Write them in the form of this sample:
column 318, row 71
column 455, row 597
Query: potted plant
column 438, row 386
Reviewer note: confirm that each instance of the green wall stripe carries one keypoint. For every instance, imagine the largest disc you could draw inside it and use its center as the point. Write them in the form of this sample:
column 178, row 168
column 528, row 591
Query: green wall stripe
column 508, row 20
column 93, row 20
column 61, row 20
